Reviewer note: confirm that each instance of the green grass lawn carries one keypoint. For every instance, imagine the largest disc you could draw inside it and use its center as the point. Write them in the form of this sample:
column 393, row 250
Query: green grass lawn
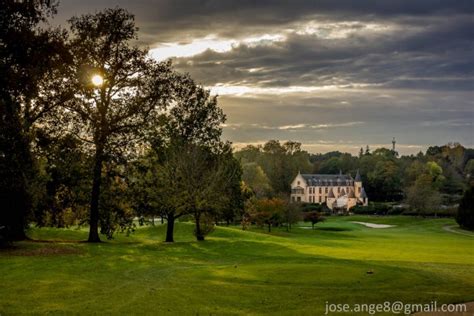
column 239, row 272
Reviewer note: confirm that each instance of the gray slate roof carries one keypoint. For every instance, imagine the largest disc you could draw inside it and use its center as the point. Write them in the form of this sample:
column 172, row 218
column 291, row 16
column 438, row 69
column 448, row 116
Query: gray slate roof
column 327, row 179
column 363, row 195
column 358, row 178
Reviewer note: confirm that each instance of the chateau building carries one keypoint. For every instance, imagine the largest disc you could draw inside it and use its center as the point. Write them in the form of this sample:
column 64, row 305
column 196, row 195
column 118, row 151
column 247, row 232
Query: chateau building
column 339, row 192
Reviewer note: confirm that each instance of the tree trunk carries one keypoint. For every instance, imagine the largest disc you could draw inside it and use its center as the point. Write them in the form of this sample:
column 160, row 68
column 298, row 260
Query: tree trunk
column 199, row 234
column 18, row 168
column 269, row 228
column 170, row 228
column 94, row 209
column 16, row 223
column 312, row 224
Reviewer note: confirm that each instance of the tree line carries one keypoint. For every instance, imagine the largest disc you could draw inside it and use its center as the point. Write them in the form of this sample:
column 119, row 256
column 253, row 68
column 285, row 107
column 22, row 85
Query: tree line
column 93, row 131
column 424, row 182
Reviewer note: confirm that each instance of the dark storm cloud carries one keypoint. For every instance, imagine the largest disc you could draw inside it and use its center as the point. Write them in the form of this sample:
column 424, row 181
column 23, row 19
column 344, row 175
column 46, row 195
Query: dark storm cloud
column 435, row 56
column 340, row 74
column 163, row 20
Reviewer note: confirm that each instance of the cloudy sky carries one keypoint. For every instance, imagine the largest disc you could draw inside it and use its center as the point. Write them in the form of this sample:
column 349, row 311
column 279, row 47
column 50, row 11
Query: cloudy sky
column 333, row 75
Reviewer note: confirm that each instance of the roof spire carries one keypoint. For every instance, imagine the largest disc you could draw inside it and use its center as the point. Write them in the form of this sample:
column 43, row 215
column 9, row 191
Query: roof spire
column 358, row 178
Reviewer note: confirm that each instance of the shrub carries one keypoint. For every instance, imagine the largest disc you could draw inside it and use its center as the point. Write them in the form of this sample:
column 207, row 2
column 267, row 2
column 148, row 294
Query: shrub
column 465, row 215
column 360, row 209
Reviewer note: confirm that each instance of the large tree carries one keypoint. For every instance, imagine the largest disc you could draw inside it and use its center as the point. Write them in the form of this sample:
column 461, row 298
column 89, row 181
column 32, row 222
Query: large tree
column 119, row 91
column 33, row 59
column 186, row 149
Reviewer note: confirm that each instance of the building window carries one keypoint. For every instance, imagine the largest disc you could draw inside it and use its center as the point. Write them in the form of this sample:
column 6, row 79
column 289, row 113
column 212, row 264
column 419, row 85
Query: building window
column 298, row 199
column 326, row 190
column 298, row 183
column 358, row 189
column 319, row 192
column 293, row 198
column 320, row 200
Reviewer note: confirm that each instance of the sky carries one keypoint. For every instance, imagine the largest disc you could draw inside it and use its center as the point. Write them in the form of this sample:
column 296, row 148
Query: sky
column 331, row 74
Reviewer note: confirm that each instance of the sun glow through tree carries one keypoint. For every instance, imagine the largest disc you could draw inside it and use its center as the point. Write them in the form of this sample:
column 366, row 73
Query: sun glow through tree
column 97, row 80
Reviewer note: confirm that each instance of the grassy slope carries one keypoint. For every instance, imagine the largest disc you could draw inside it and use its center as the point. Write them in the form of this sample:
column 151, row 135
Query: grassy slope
column 237, row 272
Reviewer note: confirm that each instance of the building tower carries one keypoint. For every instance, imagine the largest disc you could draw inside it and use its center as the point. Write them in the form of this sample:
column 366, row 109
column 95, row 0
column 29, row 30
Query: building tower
column 393, row 144
column 357, row 184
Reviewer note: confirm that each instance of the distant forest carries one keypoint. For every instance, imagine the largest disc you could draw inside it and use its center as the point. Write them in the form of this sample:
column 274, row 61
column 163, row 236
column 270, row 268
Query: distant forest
column 441, row 174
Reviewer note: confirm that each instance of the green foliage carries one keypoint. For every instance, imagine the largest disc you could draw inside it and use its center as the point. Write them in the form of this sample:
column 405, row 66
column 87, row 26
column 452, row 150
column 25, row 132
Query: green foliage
column 342, row 163
column 314, row 217
column 267, row 212
column 32, row 60
column 60, row 188
column 291, row 214
column 374, row 208
column 279, row 162
column 254, row 176
column 469, row 169
column 465, row 215
column 423, row 198
column 190, row 170
column 114, row 117
column 310, row 207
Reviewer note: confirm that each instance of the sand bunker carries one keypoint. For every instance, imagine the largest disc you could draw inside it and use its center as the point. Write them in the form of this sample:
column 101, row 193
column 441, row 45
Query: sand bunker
column 371, row 225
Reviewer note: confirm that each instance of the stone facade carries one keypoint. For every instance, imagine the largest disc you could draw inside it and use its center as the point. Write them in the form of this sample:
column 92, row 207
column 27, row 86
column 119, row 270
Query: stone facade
column 339, row 192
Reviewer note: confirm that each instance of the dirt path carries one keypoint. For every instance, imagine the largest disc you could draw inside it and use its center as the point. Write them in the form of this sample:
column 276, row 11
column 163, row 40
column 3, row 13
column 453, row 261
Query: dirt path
column 451, row 230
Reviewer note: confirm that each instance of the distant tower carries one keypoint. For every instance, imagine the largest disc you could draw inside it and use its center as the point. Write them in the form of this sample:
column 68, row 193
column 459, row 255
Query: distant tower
column 357, row 184
column 393, row 144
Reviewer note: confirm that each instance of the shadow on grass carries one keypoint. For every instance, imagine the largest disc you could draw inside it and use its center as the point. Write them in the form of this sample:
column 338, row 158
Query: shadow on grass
column 334, row 229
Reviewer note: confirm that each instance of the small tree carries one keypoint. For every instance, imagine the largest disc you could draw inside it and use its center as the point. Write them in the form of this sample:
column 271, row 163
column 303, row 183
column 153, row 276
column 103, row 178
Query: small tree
column 465, row 216
column 423, row 197
column 291, row 214
column 268, row 212
column 313, row 217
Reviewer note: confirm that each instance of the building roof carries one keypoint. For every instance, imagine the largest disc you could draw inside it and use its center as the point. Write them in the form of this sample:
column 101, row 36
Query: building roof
column 313, row 179
column 363, row 194
column 331, row 194
column 358, row 178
